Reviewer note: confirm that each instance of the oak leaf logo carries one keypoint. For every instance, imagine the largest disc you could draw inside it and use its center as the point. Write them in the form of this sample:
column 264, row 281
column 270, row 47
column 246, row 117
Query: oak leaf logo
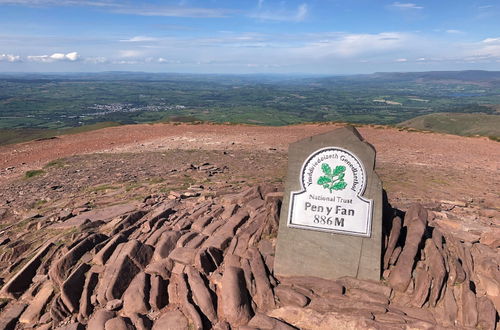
column 332, row 179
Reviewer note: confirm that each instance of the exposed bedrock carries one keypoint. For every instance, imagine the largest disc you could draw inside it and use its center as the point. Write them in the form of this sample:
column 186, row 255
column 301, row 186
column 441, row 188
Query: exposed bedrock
column 186, row 262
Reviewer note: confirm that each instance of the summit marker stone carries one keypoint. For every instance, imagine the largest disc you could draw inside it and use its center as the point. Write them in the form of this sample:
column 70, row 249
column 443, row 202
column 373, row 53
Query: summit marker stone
column 331, row 219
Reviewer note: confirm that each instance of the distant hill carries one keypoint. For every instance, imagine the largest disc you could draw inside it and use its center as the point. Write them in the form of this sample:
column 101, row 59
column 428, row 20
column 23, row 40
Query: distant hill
column 457, row 77
column 466, row 77
column 17, row 135
column 457, row 123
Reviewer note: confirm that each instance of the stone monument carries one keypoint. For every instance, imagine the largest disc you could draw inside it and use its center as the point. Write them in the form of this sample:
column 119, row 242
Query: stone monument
column 331, row 218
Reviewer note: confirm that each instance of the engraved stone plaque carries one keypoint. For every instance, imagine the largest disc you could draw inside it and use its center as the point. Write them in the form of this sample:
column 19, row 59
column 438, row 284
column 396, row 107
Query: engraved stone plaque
column 333, row 182
column 331, row 218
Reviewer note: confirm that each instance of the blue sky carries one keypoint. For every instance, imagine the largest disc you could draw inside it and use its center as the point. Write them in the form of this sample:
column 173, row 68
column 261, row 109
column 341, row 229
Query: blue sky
column 249, row 36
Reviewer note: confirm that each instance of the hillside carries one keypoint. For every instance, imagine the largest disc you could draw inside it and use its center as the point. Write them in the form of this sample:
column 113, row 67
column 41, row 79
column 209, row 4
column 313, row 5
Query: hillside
column 457, row 123
column 174, row 227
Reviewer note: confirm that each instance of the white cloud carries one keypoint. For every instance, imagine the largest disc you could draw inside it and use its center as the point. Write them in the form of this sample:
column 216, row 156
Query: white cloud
column 301, row 12
column 491, row 40
column 57, row 56
column 59, row 3
column 10, row 58
column 140, row 39
column 231, row 51
column 96, row 60
column 126, row 62
column 489, row 47
column 453, row 31
column 299, row 15
column 130, row 53
column 172, row 11
column 73, row 56
column 122, row 7
column 349, row 45
column 39, row 58
column 405, row 6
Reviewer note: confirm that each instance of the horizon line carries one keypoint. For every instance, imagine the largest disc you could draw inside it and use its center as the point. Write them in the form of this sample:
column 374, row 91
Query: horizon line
column 234, row 74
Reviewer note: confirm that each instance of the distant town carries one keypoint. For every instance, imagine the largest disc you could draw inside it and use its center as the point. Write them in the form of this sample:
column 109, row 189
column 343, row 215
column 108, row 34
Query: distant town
column 104, row 109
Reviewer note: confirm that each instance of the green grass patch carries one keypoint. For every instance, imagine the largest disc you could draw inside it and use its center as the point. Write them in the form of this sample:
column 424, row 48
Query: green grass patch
column 33, row 173
column 39, row 203
column 494, row 138
column 156, row 180
column 17, row 135
column 466, row 124
column 131, row 186
column 58, row 163
column 103, row 187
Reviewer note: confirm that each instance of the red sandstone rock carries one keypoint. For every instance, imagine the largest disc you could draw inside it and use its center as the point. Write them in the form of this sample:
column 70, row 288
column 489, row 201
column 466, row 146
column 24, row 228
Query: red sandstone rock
column 22, row 279
column 161, row 268
column 118, row 323
column 437, row 270
column 422, row 285
column 305, row 318
column 134, row 297
column 264, row 295
column 188, row 309
column 289, row 297
column 171, row 320
column 262, row 321
column 201, row 294
column 103, row 255
column 371, row 286
column 114, row 304
column 234, row 300
column 10, row 315
column 367, row 296
column 99, row 319
column 467, row 313
column 158, row 294
column 491, row 238
column 141, row 322
column 196, row 242
column 317, row 285
column 32, row 313
column 201, row 223
column 207, row 260
column 61, row 268
column 393, row 239
column 486, row 314
column 415, row 221
column 127, row 260
column 446, row 309
column 344, row 304
column 88, row 288
column 165, row 245
column 183, row 255
column 71, row 289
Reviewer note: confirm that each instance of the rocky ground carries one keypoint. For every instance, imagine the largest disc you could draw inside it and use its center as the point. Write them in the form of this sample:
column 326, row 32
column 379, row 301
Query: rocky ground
column 175, row 227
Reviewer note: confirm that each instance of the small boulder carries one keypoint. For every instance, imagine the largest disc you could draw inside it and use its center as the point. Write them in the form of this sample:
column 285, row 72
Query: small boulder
column 118, row 323
column 171, row 320
column 99, row 319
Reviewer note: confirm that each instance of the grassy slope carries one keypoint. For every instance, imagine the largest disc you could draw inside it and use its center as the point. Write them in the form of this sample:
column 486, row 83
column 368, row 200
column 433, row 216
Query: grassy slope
column 10, row 136
column 457, row 123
